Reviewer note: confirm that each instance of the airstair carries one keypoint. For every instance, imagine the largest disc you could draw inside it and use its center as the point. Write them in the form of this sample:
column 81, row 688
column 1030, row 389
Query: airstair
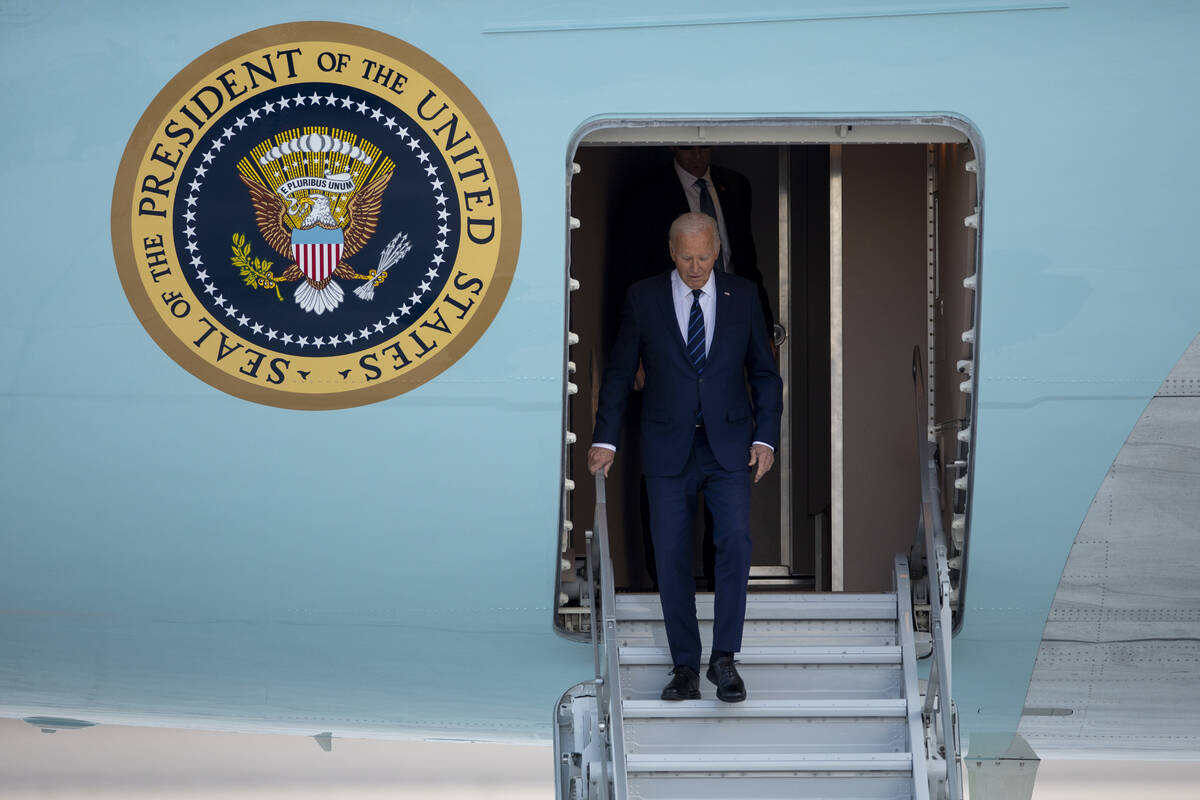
column 835, row 707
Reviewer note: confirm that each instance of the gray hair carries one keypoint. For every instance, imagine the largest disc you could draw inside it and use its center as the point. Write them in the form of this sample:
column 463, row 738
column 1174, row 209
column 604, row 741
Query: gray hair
column 692, row 222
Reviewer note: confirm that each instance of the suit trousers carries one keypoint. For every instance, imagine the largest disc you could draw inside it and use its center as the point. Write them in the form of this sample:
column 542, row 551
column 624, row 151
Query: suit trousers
column 673, row 501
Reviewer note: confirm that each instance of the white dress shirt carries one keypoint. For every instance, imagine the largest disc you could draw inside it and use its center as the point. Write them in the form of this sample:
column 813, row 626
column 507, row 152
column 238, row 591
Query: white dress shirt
column 688, row 181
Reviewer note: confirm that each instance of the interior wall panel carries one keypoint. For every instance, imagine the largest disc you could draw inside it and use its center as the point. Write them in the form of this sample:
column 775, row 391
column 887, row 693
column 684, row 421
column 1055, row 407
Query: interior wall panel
column 884, row 269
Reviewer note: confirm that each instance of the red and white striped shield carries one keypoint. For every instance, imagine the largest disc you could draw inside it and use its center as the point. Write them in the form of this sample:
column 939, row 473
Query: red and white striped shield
column 317, row 251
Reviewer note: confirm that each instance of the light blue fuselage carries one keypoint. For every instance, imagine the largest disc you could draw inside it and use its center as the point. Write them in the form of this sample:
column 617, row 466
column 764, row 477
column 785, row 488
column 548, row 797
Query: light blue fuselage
column 172, row 555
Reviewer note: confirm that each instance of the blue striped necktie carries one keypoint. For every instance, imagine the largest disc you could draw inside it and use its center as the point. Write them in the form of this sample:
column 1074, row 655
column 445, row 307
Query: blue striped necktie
column 695, row 342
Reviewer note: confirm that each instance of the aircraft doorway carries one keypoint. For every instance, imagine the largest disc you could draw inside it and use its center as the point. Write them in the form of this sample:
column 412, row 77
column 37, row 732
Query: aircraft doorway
column 789, row 229
column 843, row 494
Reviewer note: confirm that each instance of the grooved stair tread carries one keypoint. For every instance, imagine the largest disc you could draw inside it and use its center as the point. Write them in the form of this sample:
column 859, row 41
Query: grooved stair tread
column 773, row 606
column 657, row 709
column 769, row 762
column 777, row 655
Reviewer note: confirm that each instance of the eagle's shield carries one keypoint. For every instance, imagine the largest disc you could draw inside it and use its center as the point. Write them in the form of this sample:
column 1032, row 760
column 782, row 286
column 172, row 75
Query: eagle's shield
column 317, row 250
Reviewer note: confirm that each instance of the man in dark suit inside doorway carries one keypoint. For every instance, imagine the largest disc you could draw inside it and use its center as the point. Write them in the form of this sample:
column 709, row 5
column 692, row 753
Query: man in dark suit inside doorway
column 691, row 183
column 700, row 338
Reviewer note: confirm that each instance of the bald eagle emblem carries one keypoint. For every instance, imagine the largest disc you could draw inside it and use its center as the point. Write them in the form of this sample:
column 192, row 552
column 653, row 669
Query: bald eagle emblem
column 316, row 201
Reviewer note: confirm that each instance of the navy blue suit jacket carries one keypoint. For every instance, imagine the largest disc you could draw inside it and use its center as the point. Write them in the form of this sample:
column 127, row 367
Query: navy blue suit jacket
column 739, row 354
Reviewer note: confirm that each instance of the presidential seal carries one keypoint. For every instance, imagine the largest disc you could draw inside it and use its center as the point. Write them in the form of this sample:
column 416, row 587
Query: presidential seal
column 315, row 216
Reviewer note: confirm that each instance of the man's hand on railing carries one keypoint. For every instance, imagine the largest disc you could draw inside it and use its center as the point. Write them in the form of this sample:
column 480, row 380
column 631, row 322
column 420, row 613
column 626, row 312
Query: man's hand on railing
column 600, row 458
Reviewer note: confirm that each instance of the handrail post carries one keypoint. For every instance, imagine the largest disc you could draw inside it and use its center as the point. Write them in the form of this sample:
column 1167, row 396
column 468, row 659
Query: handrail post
column 593, row 580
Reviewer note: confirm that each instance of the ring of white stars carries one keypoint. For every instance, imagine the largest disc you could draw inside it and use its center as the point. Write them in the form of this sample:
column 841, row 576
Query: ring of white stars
column 381, row 325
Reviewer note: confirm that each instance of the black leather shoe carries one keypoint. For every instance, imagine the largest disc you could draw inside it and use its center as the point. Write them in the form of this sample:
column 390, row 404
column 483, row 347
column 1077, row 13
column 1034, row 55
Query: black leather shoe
column 724, row 674
column 684, row 686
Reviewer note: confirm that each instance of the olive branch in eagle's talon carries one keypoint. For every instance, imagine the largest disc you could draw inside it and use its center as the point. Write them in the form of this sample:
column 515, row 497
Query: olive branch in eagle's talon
column 255, row 272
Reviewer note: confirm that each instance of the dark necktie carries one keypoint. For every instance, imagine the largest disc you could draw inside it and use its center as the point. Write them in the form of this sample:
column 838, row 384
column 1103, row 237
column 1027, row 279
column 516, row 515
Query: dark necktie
column 695, row 341
column 707, row 207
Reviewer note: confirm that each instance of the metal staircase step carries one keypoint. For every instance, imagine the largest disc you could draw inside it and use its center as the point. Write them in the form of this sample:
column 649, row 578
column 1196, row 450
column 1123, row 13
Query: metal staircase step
column 771, row 762
column 765, row 726
column 646, row 709
column 691, row 776
column 773, row 632
column 777, row 655
column 767, row 606
column 779, row 673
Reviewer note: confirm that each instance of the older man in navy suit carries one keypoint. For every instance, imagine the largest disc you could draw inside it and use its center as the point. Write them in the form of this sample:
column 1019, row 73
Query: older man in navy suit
column 700, row 338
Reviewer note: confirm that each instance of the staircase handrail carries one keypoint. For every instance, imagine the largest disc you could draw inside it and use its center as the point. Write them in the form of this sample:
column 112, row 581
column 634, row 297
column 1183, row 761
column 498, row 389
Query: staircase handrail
column 906, row 628
column 939, row 702
column 604, row 643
